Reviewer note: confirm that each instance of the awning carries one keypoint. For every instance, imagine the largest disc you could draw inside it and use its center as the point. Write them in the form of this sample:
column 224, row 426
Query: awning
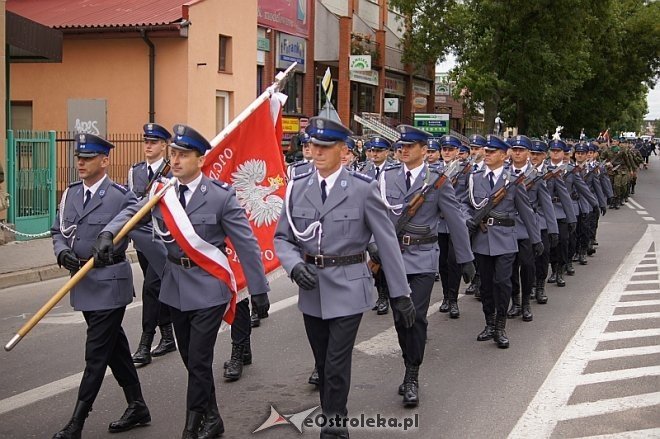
column 30, row 41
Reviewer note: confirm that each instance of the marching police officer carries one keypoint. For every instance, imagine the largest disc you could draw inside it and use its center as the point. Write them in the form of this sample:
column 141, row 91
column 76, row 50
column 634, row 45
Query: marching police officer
column 419, row 242
column 493, row 242
column 103, row 294
column 329, row 216
column 154, row 313
column 197, row 298
column 477, row 145
column 380, row 148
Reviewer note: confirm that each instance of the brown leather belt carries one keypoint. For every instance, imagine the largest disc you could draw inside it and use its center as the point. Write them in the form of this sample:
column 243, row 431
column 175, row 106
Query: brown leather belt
column 184, row 262
column 323, row 261
column 409, row 240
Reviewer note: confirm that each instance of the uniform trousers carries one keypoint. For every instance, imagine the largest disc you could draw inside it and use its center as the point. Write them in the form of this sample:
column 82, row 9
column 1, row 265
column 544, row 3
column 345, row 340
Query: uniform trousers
column 593, row 223
column 106, row 345
column 582, row 233
column 541, row 262
column 154, row 312
column 450, row 272
column 495, row 282
column 560, row 254
column 241, row 328
column 413, row 340
column 332, row 342
column 196, row 332
column 523, row 271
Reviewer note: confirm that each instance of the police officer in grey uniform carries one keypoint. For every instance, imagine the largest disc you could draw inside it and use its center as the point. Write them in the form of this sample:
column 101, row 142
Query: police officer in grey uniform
column 198, row 299
column 154, row 313
column 380, row 148
column 419, row 243
column 103, row 294
column 496, row 247
column 329, row 216
column 477, row 145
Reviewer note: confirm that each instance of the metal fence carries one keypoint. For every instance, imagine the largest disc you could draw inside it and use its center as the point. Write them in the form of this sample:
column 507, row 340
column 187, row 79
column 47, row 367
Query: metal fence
column 127, row 151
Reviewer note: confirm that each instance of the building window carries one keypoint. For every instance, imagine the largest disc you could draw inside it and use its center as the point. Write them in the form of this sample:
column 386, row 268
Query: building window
column 224, row 54
column 21, row 115
column 294, row 90
column 221, row 110
column 260, row 78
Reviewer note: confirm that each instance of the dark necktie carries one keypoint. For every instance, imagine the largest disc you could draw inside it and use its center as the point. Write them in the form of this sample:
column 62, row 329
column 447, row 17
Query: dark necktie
column 88, row 196
column 517, row 171
column 408, row 180
column 150, row 173
column 324, row 194
column 377, row 172
column 491, row 179
column 475, row 167
column 182, row 198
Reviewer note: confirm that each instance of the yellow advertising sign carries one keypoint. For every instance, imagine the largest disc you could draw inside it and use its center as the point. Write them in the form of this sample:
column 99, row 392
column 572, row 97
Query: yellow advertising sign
column 290, row 124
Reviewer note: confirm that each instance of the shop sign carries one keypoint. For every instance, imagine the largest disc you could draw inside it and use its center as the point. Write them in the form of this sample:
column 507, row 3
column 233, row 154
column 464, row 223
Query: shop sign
column 291, row 17
column 391, row 105
column 395, row 86
column 359, row 63
column 263, row 44
column 290, row 124
column 442, row 89
column 370, row 77
column 291, row 49
column 436, row 124
column 421, row 87
column 420, row 102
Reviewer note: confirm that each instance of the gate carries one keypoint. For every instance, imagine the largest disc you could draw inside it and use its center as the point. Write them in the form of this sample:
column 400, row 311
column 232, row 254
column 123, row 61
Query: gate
column 31, row 181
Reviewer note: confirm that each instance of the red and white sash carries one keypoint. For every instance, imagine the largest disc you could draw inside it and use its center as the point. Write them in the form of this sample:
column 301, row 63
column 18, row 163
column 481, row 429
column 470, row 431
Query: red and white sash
column 204, row 254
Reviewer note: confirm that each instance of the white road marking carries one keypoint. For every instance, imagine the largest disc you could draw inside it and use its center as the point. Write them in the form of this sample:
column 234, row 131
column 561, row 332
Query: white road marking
column 75, row 317
column 637, row 303
column 635, row 292
column 643, row 282
column 648, row 315
column 648, row 218
column 624, row 352
column 637, row 434
column 549, row 405
column 642, row 212
column 635, row 203
column 604, row 406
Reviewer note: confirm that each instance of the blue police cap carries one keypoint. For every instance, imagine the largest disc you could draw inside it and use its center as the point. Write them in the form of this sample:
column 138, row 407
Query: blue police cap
column 409, row 134
column 433, row 144
column 398, row 145
column 378, row 142
column 539, row 146
column 153, row 131
column 593, row 147
column 450, row 142
column 495, row 142
column 326, row 132
column 464, row 148
column 350, row 142
column 90, row 145
column 581, row 147
column 557, row 144
column 304, row 138
column 186, row 138
column 478, row 141
column 520, row 142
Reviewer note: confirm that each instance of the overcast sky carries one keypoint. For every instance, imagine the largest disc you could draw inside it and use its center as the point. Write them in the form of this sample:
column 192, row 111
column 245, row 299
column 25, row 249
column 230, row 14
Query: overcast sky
column 653, row 96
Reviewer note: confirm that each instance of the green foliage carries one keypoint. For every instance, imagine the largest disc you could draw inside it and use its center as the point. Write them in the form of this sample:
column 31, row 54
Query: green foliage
column 576, row 63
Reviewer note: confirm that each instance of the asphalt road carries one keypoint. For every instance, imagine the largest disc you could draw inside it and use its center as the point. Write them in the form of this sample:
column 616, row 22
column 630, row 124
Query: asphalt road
column 563, row 376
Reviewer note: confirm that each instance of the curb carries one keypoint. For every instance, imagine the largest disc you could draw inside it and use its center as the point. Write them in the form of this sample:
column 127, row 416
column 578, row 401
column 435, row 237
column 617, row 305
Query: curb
column 40, row 274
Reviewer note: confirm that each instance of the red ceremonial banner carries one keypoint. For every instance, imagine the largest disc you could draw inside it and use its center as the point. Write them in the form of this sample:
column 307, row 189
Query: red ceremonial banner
column 250, row 159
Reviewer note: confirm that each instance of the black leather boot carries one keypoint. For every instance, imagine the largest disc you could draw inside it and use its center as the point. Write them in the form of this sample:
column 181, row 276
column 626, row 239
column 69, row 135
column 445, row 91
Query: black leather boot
column 234, row 369
column 568, row 269
column 553, row 277
column 471, row 289
column 136, row 414
column 212, row 426
column 193, row 423
column 560, row 276
column 500, row 334
column 527, row 315
column 590, row 248
column 73, row 429
column 582, row 258
column 383, row 303
column 314, row 377
column 143, row 353
column 488, row 332
column 444, row 306
column 247, row 355
column 255, row 321
column 515, row 310
column 454, row 312
column 167, row 343
column 477, row 293
column 411, row 387
column 541, row 298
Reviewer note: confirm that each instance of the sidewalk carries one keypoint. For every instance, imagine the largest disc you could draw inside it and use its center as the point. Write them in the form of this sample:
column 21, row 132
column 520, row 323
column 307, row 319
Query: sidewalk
column 25, row 262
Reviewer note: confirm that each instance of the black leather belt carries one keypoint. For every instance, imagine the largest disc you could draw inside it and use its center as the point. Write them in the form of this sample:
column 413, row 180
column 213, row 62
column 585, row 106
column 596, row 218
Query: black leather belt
column 505, row 222
column 323, row 261
column 116, row 259
column 575, row 196
column 556, row 200
column 409, row 240
column 184, row 262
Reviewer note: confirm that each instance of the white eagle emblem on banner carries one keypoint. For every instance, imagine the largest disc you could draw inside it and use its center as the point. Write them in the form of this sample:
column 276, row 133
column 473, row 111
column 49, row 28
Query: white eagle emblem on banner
column 261, row 204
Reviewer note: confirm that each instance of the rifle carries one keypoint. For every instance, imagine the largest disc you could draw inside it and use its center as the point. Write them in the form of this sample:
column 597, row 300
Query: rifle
column 493, row 201
column 409, row 211
column 163, row 170
column 466, row 169
column 545, row 177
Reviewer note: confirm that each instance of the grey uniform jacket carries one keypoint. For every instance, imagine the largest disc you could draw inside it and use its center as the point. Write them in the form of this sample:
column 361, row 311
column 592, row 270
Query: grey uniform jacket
column 351, row 214
column 215, row 214
column 105, row 287
column 583, row 200
column 594, row 184
column 561, row 200
column 605, row 181
column 499, row 240
column 539, row 199
column 423, row 258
